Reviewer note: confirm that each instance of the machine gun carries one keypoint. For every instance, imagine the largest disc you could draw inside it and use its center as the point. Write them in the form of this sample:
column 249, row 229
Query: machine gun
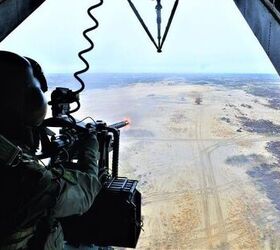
column 115, row 217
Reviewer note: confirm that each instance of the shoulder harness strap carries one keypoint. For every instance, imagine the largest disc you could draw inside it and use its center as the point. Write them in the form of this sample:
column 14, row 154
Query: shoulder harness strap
column 10, row 154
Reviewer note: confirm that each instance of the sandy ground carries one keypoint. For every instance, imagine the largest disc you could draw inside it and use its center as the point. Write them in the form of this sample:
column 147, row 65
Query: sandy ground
column 192, row 199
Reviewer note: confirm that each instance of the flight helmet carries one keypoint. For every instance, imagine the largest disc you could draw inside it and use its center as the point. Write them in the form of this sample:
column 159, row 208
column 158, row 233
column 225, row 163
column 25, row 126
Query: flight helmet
column 22, row 102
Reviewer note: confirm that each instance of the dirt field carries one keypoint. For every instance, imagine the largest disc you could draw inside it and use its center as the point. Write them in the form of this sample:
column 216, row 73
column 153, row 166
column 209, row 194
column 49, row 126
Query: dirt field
column 200, row 187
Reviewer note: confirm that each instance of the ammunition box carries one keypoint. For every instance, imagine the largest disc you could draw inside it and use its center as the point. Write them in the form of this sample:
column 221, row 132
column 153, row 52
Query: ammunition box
column 113, row 220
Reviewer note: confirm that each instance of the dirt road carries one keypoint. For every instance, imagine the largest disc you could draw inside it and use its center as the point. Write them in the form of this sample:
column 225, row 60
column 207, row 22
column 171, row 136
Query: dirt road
column 178, row 150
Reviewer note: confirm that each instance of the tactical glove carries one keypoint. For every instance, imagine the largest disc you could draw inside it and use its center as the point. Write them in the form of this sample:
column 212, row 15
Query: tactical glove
column 88, row 154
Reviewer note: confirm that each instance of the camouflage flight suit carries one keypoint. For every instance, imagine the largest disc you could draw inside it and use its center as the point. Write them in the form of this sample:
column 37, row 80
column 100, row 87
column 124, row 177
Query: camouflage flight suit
column 33, row 198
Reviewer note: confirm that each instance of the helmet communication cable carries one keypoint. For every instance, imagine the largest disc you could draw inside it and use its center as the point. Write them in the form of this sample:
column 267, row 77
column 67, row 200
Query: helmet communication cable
column 61, row 98
column 81, row 53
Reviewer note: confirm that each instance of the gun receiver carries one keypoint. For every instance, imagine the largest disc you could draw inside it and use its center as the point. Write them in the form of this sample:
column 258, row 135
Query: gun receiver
column 70, row 133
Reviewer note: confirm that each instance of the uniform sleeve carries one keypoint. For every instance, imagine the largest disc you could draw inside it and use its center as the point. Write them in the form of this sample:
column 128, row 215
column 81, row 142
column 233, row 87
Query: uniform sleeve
column 77, row 196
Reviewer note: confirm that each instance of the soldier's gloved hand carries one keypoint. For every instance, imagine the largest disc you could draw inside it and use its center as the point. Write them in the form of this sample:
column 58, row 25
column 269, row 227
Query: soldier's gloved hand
column 88, row 154
column 103, row 175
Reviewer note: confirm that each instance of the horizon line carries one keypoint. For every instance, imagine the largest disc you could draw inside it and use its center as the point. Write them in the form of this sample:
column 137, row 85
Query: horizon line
column 185, row 73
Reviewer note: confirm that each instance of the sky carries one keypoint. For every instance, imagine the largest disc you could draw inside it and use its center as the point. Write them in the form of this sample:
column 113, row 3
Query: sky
column 206, row 36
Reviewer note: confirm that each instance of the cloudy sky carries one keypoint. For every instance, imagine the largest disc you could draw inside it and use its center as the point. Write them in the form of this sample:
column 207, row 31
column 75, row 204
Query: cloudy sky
column 208, row 36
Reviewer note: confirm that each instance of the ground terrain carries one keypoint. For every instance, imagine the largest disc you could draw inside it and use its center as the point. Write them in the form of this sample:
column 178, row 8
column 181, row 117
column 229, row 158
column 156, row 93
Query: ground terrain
column 208, row 172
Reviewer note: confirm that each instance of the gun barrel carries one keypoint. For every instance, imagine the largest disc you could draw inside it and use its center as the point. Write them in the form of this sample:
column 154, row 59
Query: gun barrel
column 119, row 125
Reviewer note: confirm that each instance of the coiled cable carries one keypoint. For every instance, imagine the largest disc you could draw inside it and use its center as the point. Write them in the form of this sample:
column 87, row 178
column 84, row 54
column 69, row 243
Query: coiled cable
column 81, row 53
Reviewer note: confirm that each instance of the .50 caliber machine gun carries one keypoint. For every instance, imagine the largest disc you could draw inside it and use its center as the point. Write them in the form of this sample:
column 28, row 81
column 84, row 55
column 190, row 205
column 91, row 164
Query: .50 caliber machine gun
column 115, row 217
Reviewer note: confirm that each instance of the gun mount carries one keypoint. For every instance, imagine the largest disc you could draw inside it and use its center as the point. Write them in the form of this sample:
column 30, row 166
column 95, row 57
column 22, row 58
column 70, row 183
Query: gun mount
column 115, row 217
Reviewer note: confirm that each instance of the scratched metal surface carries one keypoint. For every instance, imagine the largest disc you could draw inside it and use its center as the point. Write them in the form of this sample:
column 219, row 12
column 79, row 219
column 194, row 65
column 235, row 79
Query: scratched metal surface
column 264, row 19
column 13, row 12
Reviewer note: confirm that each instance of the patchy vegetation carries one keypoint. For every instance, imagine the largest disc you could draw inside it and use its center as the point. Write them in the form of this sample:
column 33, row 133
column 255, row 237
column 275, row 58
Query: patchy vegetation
column 264, row 127
column 271, row 93
column 251, row 159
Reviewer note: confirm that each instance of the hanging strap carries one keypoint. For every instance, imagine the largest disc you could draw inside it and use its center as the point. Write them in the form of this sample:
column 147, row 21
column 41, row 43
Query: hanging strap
column 158, row 10
column 143, row 23
column 169, row 22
